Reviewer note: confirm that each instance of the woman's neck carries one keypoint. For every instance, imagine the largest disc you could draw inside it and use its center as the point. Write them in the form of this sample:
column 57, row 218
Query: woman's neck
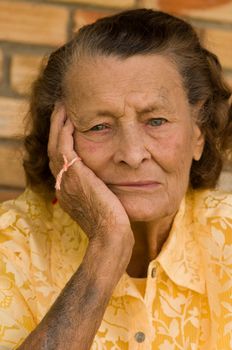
column 149, row 239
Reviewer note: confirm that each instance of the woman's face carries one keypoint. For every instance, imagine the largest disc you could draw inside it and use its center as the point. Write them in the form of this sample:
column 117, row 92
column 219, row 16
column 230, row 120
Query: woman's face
column 135, row 129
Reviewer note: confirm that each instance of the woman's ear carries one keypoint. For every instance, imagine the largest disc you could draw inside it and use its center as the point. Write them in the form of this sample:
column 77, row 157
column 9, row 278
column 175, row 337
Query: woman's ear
column 199, row 143
column 199, row 137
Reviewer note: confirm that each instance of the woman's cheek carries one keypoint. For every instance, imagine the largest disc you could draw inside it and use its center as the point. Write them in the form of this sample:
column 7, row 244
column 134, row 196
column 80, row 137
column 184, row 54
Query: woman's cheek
column 92, row 153
column 170, row 153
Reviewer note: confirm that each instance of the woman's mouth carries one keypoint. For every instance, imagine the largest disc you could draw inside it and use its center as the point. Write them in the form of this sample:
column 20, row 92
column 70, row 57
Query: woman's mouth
column 137, row 185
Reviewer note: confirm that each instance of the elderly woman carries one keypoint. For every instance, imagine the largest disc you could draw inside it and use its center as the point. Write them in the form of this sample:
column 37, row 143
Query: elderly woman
column 134, row 248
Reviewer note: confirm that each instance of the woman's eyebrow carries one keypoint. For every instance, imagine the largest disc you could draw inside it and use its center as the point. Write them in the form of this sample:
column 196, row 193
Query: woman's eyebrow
column 153, row 107
column 150, row 109
column 146, row 109
column 107, row 113
column 161, row 104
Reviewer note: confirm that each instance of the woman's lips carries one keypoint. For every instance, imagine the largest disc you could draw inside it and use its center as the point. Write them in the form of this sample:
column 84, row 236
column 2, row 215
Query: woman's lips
column 136, row 183
column 144, row 183
column 141, row 185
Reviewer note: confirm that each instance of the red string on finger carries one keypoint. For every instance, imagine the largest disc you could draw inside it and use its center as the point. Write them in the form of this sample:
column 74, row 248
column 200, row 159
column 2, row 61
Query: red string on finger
column 64, row 169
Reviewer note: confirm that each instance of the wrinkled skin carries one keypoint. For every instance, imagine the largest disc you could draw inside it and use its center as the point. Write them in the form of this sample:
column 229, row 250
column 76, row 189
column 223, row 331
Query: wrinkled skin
column 83, row 195
column 129, row 120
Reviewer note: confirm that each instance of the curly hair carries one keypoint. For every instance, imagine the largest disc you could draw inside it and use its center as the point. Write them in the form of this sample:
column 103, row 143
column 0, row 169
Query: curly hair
column 125, row 34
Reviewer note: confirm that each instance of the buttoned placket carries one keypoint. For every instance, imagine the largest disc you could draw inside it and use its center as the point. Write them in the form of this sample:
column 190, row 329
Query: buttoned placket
column 151, row 287
column 151, row 291
column 139, row 326
column 142, row 333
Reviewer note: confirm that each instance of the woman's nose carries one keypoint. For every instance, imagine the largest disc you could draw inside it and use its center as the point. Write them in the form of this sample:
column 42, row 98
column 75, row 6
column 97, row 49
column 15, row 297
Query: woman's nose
column 131, row 148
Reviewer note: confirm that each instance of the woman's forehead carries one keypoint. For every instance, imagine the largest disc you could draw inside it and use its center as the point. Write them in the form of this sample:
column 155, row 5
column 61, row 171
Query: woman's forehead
column 143, row 80
column 146, row 69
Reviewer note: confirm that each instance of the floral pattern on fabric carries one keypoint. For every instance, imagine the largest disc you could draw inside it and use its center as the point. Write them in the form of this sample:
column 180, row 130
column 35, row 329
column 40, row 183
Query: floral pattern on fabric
column 187, row 304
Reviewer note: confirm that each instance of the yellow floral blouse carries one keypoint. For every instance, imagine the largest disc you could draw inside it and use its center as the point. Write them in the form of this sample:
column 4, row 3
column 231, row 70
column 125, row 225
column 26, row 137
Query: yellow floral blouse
column 184, row 303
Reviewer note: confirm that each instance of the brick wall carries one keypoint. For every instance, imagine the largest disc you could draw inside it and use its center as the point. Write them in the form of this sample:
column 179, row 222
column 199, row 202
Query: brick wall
column 30, row 29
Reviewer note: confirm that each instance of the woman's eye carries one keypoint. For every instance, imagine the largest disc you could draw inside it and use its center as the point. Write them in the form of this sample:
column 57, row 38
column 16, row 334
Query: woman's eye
column 157, row 121
column 99, row 127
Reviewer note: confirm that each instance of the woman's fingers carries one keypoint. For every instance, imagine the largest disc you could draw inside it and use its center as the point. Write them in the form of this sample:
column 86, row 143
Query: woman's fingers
column 80, row 192
column 66, row 143
column 60, row 142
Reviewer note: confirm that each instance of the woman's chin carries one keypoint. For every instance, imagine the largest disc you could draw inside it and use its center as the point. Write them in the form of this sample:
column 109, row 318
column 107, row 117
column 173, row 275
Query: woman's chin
column 143, row 212
column 146, row 208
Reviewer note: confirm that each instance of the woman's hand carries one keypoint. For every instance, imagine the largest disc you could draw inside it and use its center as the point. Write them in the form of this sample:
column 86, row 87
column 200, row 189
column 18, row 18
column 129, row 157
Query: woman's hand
column 100, row 214
column 83, row 195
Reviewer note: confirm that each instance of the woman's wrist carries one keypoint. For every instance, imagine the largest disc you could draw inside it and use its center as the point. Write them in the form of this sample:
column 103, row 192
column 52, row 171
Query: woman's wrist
column 109, row 257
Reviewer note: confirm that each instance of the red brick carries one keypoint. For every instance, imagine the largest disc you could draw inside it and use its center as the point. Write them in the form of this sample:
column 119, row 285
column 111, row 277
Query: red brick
column 149, row 4
column 208, row 10
column 221, row 13
column 82, row 17
column 225, row 181
column 12, row 113
column 1, row 65
column 229, row 79
column 33, row 23
column 24, row 70
column 220, row 42
column 105, row 3
column 12, row 173
column 9, row 194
